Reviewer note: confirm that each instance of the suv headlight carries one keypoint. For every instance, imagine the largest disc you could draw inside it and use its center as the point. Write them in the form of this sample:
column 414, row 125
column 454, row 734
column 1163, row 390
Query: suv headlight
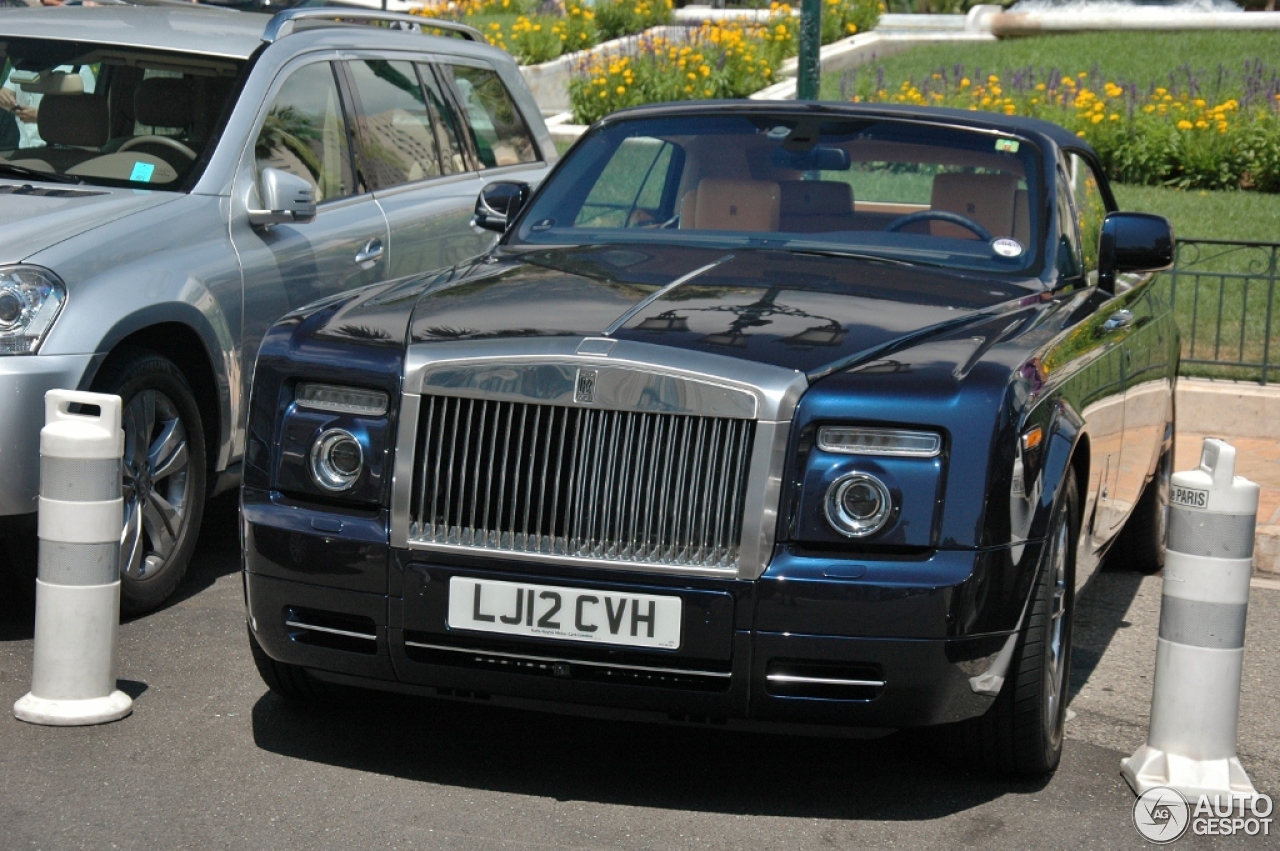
column 30, row 298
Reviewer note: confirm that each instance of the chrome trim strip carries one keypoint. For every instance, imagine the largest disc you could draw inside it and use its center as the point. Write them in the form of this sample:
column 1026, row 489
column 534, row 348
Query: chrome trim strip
column 530, row 658
column 825, row 681
column 659, row 293
column 330, row 630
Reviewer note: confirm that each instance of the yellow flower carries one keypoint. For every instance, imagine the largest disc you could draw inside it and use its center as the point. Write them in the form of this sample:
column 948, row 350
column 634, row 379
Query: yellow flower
column 1184, row 124
column 1097, row 118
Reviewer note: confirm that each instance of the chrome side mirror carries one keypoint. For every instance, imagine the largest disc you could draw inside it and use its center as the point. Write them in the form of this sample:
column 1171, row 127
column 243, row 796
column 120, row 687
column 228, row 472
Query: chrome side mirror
column 499, row 204
column 1133, row 242
column 287, row 198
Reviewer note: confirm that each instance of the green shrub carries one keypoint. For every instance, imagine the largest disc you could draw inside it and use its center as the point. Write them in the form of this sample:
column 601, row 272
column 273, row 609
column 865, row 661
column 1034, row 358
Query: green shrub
column 616, row 18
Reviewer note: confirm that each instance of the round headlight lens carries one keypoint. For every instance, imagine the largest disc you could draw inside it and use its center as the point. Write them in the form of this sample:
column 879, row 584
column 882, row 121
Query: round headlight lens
column 337, row 460
column 858, row 505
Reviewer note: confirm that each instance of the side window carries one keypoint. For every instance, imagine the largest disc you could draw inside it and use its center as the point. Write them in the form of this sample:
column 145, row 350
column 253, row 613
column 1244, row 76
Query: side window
column 397, row 142
column 499, row 133
column 1068, row 238
column 632, row 190
column 306, row 133
column 1091, row 209
column 449, row 138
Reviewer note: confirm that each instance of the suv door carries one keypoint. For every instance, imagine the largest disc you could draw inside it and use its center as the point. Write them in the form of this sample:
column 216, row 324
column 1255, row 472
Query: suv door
column 411, row 146
column 305, row 130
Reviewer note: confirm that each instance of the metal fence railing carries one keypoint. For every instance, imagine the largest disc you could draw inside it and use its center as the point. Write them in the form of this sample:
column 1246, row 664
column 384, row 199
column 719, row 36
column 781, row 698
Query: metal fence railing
column 1224, row 297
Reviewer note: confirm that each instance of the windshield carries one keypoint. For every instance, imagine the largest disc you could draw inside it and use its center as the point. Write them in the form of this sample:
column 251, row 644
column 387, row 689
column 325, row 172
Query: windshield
column 897, row 190
column 108, row 115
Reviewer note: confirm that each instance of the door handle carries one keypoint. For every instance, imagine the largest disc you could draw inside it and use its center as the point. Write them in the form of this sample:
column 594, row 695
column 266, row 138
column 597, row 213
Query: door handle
column 1119, row 319
column 370, row 254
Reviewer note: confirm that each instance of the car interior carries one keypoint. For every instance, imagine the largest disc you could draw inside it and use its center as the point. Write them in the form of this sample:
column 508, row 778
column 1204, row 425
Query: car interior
column 115, row 116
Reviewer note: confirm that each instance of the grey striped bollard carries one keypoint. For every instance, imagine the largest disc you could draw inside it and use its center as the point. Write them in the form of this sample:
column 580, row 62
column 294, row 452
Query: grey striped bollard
column 73, row 676
column 1196, row 697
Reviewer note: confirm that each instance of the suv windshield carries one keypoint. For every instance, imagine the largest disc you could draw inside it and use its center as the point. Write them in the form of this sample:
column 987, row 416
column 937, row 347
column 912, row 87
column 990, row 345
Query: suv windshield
column 896, row 189
column 108, row 115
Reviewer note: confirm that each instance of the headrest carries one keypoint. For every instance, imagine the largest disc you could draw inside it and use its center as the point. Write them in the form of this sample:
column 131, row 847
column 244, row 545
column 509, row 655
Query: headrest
column 54, row 83
column 816, row 198
column 737, row 205
column 985, row 198
column 76, row 120
column 164, row 102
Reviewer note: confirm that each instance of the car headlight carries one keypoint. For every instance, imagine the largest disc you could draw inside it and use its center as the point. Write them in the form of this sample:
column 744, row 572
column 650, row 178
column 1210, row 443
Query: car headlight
column 30, row 299
column 858, row 504
column 337, row 460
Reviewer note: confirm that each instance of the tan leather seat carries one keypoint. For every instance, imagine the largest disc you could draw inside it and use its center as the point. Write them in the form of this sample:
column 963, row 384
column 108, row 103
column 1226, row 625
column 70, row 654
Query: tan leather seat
column 988, row 199
column 723, row 204
column 813, row 206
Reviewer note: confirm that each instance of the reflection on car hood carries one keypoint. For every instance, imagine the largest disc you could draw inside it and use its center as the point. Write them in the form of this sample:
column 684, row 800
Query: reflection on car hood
column 803, row 312
column 34, row 217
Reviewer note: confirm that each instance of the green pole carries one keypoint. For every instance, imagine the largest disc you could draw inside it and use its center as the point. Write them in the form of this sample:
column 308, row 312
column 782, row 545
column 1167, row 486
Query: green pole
column 810, row 45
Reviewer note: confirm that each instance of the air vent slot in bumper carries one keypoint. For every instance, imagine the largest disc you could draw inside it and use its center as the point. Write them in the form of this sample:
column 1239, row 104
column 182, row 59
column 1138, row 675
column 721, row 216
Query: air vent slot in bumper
column 332, row 630
column 841, row 681
column 664, row 673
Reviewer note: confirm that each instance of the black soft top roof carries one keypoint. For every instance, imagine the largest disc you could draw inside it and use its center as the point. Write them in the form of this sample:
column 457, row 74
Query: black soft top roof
column 1014, row 124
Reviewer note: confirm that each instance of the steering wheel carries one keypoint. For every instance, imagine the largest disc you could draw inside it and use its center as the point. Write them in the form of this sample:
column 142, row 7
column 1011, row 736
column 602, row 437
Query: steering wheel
column 941, row 216
column 163, row 140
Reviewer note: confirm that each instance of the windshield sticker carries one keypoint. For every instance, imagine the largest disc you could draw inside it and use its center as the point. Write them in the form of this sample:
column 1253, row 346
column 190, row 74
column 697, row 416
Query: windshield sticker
column 779, row 132
column 142, row 172
column 1006, row 247
column 1007, row 145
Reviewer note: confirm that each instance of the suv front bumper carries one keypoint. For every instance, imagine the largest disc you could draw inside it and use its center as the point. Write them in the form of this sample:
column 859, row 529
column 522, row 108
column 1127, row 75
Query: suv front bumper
column 24, row 379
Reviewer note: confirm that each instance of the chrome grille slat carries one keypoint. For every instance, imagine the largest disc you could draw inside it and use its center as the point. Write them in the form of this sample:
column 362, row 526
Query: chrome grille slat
column 642, row 488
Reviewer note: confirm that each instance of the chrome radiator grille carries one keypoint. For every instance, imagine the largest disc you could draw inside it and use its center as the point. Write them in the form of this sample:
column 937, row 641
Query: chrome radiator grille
column 645, row 488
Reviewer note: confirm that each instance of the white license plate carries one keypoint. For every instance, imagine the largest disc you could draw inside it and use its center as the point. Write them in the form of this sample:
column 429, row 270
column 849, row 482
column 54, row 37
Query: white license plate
column 544, row 611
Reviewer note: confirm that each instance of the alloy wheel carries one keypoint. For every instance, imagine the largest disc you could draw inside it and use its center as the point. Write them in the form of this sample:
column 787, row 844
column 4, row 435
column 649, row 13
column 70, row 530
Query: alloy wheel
column 156, row 486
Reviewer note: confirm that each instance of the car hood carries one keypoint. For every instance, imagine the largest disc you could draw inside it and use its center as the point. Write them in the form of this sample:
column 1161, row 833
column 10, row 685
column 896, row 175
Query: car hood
column 35, row 217
column 811, row 313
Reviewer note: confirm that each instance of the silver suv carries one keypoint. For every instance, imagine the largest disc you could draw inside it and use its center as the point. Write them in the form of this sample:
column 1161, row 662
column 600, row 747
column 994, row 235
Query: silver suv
column 175, row 180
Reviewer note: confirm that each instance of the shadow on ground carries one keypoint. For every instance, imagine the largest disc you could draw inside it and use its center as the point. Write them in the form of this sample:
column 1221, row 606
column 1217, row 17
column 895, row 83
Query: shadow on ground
column 644, row 765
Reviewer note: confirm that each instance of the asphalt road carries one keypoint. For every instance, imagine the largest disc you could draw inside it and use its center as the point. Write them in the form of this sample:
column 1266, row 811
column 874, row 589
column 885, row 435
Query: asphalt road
column 210, row 759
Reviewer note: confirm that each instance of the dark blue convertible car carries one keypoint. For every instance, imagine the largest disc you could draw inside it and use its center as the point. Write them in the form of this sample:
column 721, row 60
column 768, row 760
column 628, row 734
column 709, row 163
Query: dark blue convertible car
column 812, row 416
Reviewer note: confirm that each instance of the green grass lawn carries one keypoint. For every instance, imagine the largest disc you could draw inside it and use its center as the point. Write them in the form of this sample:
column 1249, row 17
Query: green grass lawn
column 1143, row 58
column 1246, row 216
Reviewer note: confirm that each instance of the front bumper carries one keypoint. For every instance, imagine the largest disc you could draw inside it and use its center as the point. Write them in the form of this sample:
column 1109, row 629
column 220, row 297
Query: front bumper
column 24, row 379
column 909, row 642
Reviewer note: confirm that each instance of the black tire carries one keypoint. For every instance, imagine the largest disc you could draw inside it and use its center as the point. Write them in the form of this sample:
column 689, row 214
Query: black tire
column 165, row 473
column 1022, row 733
column 1141, row 544
column 288, row 681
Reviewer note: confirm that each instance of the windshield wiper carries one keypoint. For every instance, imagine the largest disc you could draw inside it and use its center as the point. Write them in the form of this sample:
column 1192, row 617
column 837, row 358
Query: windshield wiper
column 851, row 255
column 36, row 174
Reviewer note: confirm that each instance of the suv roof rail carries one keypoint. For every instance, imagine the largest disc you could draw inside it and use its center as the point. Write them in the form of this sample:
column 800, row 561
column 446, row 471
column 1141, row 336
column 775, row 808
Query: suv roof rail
column 283, row 23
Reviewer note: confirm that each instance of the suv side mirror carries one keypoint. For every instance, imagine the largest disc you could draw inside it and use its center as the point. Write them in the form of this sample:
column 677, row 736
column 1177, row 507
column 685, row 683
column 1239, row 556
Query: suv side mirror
column 1133, row 242
column 287, row 198
column 499, row 204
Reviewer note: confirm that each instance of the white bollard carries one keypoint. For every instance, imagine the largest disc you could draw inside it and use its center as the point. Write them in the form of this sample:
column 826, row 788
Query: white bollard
column 1196, row 698
column 73, row 678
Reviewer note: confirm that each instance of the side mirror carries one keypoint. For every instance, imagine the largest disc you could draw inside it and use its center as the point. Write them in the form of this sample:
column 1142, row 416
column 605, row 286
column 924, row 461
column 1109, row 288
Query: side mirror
column 499, row 204
column 1133, row 242
column 287, row 198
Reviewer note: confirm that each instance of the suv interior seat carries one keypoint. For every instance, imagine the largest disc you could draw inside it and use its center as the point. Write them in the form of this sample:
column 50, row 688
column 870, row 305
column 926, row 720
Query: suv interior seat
column 74, row 129
column 166, row 104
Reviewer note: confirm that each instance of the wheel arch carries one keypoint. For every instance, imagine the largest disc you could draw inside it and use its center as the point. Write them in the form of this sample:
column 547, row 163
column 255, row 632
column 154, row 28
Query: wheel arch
column 179, row 340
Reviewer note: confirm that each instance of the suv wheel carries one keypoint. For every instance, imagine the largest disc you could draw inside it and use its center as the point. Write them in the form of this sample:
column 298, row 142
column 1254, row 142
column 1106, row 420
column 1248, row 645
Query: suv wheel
column 1141, row 545
column 164, row 475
